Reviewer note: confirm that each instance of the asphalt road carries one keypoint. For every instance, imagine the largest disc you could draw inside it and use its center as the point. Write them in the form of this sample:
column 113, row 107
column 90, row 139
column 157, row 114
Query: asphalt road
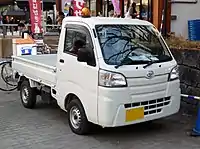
column 46, row 127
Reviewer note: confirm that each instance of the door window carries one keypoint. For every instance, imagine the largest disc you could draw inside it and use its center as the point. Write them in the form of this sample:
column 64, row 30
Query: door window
column 77, row 37
column 73, row 41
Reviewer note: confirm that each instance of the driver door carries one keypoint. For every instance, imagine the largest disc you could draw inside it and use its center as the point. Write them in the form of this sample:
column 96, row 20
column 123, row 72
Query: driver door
column 76, row 77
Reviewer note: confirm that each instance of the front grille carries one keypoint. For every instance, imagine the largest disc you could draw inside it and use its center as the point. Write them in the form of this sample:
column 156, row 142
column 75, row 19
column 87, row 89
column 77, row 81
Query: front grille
column 151, row 106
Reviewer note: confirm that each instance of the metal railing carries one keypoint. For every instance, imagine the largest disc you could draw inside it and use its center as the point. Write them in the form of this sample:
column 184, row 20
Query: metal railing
column 12, row 29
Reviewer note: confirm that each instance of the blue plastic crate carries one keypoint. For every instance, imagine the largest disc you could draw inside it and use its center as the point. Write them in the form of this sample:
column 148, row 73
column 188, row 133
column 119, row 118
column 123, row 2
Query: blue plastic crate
column 194, row 30
column 194, row 35
column 194, row 39
column 194, row 21
column 193, row 25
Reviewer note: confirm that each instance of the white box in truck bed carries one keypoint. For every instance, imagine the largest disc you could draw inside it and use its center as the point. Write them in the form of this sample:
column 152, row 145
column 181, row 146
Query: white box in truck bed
column 40, row 68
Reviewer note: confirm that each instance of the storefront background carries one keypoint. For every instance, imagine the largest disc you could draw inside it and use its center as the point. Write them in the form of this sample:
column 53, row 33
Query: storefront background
column 152, row 9
column 65, row 6
column 91, row 4
column 105, row 7
column 144, row 8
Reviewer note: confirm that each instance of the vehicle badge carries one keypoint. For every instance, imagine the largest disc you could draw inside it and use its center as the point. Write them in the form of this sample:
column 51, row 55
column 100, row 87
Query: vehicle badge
column 150, row 74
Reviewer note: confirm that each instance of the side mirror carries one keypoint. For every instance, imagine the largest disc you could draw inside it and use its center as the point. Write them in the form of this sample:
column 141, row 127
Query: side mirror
column 83, row 55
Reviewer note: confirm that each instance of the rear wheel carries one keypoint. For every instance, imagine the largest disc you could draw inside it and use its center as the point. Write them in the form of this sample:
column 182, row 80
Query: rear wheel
column 28, row 95
column 77, row 118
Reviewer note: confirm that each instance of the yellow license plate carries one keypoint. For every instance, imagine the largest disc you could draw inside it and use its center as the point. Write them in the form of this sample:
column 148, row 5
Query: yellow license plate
column 134, row 114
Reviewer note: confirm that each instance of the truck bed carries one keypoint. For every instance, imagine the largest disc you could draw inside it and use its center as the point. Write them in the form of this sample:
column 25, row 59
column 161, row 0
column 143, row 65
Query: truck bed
column 41, row 68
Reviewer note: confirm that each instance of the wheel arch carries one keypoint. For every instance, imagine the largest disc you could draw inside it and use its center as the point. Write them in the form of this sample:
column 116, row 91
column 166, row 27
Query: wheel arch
column 69, row 98
column 72, row 96
column 22, row 78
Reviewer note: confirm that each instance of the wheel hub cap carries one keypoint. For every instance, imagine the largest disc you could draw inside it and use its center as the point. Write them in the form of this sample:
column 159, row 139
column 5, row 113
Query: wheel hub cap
column 75, row 117
column 25, row 94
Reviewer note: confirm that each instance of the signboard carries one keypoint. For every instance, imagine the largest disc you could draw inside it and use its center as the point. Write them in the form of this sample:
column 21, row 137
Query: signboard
column 26, row 49
column 78, row 6
column 66, row 4
column 36, row 16
column 116, row 6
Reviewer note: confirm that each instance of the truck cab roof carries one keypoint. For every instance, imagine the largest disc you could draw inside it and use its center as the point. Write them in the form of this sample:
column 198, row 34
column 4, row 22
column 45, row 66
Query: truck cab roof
column 92, row 21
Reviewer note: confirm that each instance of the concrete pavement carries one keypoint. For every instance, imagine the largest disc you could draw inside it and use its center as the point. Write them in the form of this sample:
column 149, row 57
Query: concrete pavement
column 46, row 127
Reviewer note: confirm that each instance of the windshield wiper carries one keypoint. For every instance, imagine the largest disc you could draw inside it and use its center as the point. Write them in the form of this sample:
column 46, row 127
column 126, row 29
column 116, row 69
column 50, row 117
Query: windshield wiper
column 163, row 59
column 150, row 63
column 131, row 50
column 123, row 60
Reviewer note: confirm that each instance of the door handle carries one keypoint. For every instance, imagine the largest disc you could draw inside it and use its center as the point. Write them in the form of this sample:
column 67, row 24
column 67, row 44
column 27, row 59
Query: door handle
column 62, row 61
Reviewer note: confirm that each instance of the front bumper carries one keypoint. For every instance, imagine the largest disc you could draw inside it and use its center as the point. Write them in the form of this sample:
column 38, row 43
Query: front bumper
column 113, row 104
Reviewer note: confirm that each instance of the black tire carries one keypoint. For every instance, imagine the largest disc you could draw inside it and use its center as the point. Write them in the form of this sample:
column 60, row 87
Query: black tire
column 27, row 95
column 84, row 125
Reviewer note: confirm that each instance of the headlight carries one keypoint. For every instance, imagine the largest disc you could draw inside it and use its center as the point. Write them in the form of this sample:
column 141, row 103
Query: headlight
column 174, row 74
column 111, row 79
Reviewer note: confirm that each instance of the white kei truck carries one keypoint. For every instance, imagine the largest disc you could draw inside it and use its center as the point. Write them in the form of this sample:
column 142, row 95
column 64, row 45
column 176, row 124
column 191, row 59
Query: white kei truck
column 107, row 71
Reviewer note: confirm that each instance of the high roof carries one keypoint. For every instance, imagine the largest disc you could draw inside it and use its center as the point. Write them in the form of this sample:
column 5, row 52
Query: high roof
column 106, row 20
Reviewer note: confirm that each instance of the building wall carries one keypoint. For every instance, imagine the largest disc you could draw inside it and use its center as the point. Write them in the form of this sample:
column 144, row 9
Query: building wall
column 184, row 12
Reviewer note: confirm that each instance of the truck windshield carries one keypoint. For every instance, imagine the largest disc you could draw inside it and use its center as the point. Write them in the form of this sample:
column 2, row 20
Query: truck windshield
column 131, row 44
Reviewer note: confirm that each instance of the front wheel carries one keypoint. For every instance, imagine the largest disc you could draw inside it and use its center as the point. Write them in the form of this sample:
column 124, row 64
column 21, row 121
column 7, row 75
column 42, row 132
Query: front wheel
column 77, row 118
column 28, row 95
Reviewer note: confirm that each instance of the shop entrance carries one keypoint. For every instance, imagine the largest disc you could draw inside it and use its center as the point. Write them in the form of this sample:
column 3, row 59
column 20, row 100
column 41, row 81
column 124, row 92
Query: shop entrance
column 107, row 8
column 144, row 8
